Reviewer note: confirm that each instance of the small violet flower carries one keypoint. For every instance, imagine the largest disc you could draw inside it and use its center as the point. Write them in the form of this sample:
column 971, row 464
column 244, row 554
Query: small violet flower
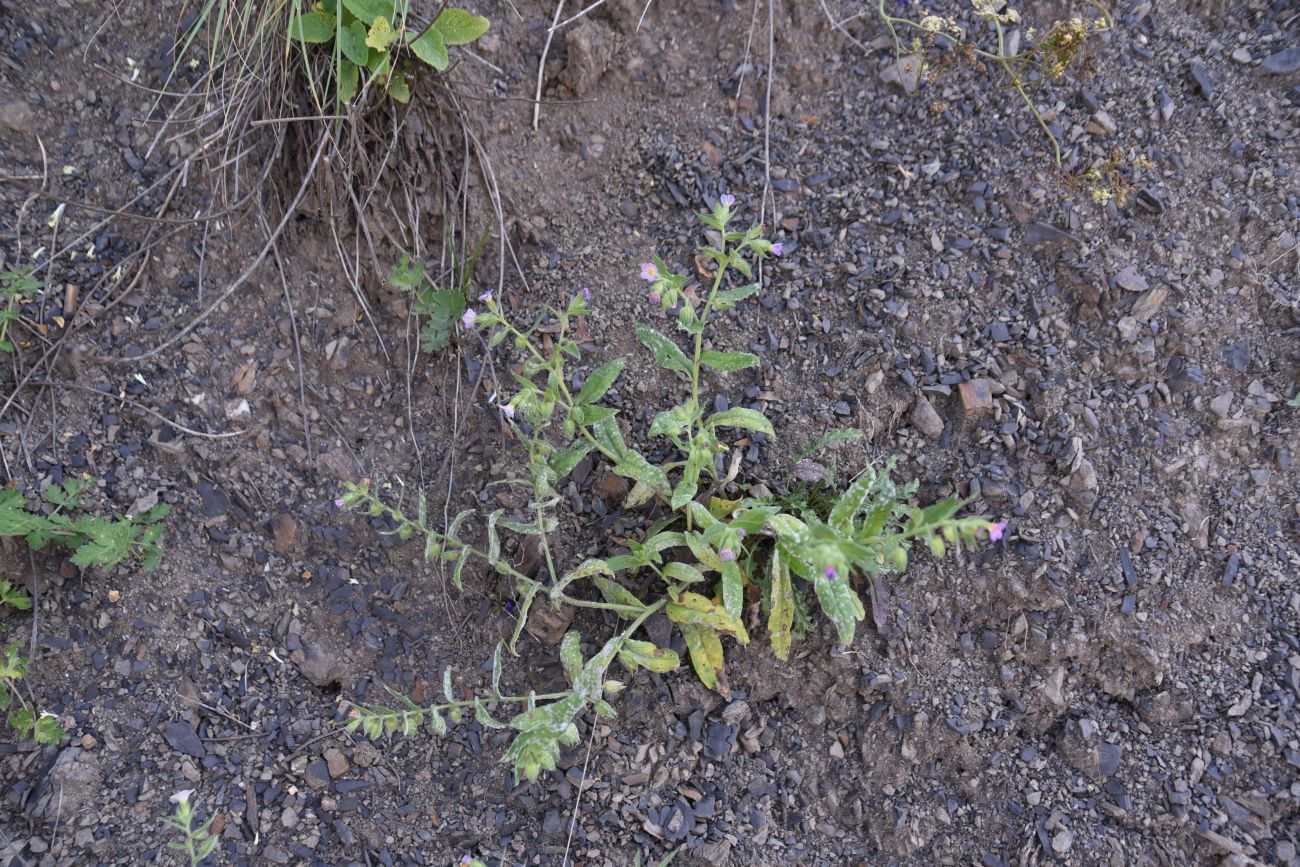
column 486, row 297
column 740, row 532
column 508, row 410
column 468, row 319
column 654, row 296
column 831, row 573
column 649, row 271
column 727, row 554
column 464, row 860
column 776, row 249
column 586, row 294
column 727, row 200
column 996, row 530
column 338, row 504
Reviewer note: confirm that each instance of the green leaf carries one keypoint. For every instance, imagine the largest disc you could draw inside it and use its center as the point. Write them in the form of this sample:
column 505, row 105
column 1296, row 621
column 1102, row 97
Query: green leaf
column 732, row 296
column 349, row 78
column 742, row 417
column 430, row 47
column 780, row 620
column 706, row 653
column 586, row 414
column 447, row 691
column 369, row 10
column 852, row 501
column 728, row 360
column 840, row 603
column 47, row 729
column 313, row 28
column 586, row 570
column 617, row 594
column 571, row 655
column 667, row 354
column 14, row 597
column 459, row 27
column 673, row 422
column 600, row 380
column 496, row 670
column 634, row 466
column 685, row 491
column 694, row 609
column 398, row 88
column 683, row 572
column 645, row 654
column 733, row 588
column 352, row 42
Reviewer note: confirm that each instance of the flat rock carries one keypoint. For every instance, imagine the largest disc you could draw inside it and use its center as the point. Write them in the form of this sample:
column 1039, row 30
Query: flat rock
column 976, row 397
column 590, row 44
column 1149, row 303
column 1201, row 76
column 1131, row 280
column 317, row 664
column 905, row 73
column 181, row 737
column 1047, row 235
column 1283, row 62
column 73, row 783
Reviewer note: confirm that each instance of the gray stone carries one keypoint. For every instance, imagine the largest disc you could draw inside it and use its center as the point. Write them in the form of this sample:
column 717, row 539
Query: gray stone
column 926, row 420
column 1283, row 62
column 181, row 737
column 72, row 784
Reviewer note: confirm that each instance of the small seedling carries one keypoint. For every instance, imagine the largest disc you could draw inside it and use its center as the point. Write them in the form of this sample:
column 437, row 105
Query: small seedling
column 199, row 842
column 14, row 285
column 43, row 726
column 94, row 541
column 441, row 308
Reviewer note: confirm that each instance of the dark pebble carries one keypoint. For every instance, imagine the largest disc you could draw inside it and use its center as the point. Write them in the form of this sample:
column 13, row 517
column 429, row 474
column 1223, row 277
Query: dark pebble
column 1230, row 569
column 181, row 737
column 1202, row 78
column 1283, row 62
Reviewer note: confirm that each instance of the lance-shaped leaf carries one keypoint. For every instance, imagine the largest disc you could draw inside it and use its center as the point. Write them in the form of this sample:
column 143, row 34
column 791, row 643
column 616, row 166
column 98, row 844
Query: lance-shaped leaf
column 743, row 417
column 586, row 570
column 563, row 462
column 634, row 466
column 780, row 621
column 840, row 603
column 571, row 655
column 706, row 653
column 683, row 572
column 728, row 360
column 496, row 670
column 667, row 354
column 645, row 654
column 696, row 610
column 600, row 380
column 733, row 588
column 617, row 594
column 853, row 501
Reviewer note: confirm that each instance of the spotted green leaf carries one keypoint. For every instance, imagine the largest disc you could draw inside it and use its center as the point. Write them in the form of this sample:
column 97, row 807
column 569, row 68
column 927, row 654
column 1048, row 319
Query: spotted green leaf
column 780, row 621
column 840, row 603
column 645, row 654
column 601, row 378
column 692, row 609
column 742, row 417
column 728, row 360
column 667, row 354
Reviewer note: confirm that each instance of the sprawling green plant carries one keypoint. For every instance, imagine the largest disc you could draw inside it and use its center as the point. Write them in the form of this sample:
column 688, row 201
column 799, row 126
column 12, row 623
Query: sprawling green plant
column 372, row 37
column 709, row 546
column 41, row 725
column 95, row 541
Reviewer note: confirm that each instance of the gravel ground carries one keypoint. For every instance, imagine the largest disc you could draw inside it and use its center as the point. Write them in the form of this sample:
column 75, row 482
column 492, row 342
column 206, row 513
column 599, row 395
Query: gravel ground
column 1114, row 683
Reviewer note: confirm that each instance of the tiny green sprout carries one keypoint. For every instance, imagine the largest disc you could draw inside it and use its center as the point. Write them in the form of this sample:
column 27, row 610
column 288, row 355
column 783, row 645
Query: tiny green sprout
column 198, row 842
column 42, row 726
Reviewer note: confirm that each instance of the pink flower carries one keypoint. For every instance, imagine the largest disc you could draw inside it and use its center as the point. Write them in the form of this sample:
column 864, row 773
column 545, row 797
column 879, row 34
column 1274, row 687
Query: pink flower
column 776, row 249
column 727, row 554
column 996, row 530
column 727, row 200
column 649, row 271
column 831, row 573
column 468, row 319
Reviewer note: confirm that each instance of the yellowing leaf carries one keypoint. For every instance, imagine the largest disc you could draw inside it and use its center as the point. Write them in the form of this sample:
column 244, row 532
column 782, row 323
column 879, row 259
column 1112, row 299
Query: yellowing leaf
column 781, row 620
column 706, row 655
column 695, row 610
column 381, row 35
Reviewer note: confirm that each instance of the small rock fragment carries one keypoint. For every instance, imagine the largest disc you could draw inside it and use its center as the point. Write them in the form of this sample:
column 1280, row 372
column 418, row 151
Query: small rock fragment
column 976, row 397
column 926, row 420
column 1283, row 62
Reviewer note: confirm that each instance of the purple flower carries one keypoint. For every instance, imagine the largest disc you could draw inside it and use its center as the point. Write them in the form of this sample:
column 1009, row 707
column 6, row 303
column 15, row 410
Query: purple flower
column 508, row 410
column 464, row 860
column 338, row 504
column 654, row 296
column 468, row 319
column 727, row 200
column 649, row 271
column 831, row 573
column 776, row 249
column 740, row 532
column 586, row 294
column 727, row 554
column 486, row 297
column 996, row 530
